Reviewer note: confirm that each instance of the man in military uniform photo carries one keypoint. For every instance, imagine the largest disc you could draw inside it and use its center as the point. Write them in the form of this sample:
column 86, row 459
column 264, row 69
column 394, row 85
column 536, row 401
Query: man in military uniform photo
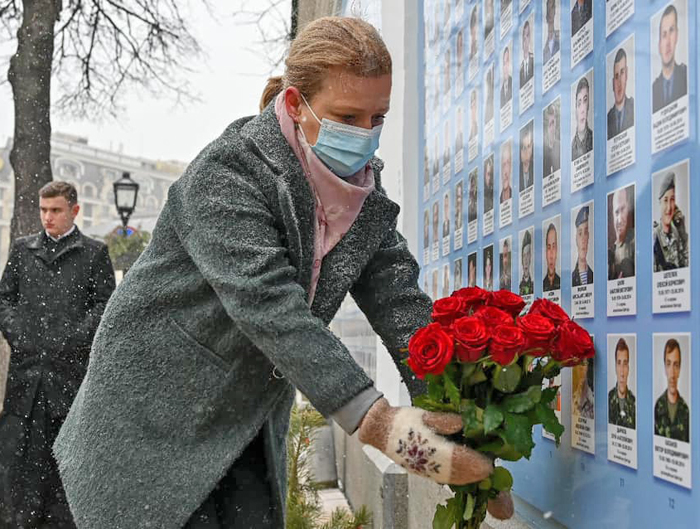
column 505, row 278
column 583, row 395
column 670, row 235
column 527, row 286
column 582, row 274
column 506, row 171
column 583, row 139
column 672, row 82
column 622, row 407
column 671, row 413
column 621, row 256
column 551, row 280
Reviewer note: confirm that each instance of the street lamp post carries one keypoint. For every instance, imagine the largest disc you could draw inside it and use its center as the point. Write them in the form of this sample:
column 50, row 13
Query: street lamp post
column 125, row 193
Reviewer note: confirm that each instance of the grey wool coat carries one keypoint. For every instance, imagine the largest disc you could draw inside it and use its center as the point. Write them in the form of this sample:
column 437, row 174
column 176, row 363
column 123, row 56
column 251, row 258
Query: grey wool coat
column 181, row 377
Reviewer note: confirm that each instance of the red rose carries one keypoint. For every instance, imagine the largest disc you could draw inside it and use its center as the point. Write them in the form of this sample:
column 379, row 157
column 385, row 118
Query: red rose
column 507, row 341
column 538, row 332
column 550, row 310
column 471, row 338
column 446, row 310
column 430, row 349
column 508, row 301
column 474, row 297
column 572, row 342
column 493, row 317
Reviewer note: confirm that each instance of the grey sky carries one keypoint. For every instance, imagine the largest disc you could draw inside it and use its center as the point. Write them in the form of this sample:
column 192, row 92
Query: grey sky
column 229, row 83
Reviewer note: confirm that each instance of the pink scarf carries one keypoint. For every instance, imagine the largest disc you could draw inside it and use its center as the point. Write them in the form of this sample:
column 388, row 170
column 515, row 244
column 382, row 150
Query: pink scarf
column 338, row 200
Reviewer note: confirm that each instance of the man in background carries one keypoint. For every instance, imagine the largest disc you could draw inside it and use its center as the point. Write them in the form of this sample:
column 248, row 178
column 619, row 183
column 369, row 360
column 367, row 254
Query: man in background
column 583, row 139
column 506, row 77
column 552, row 146
column 52, row 294
column 552, row 43
column 526, row 286
column 527, row 66
column 582, row 274
column 551, row 280
column 526, row 159
column 621, row 255
column 621, row 115
column 505, row 279
column 670, row 235
column 580, row 15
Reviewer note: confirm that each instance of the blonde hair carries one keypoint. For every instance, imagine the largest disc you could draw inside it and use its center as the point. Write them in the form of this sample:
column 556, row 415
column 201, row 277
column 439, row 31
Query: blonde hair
column 350, row 44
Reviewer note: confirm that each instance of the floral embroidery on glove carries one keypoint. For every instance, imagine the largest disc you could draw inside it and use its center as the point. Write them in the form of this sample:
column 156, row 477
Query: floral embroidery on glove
column 418, row 454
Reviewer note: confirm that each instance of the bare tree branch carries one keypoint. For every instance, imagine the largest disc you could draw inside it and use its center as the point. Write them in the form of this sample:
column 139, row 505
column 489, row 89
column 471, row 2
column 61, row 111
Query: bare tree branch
column 273, row 22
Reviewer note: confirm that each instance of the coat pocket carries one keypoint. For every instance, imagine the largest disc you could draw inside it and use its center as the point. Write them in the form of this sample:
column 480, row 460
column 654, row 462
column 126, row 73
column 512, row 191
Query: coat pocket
column 201, row 349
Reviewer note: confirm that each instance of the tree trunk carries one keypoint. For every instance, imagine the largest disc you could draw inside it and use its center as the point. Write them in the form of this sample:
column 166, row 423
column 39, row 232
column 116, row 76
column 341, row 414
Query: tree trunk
column 30, row 77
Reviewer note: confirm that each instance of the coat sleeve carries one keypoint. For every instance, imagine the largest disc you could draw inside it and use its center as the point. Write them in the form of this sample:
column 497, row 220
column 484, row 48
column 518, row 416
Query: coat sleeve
column 387, row 292
column 9, row 293
column 102, row 284
column 227, row 227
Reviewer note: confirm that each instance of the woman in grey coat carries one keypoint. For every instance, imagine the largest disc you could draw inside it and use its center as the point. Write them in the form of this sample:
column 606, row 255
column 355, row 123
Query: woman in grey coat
column 182, row 418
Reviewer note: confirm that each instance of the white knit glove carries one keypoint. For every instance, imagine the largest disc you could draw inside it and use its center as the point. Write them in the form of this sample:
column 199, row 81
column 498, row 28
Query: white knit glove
column 412, row 438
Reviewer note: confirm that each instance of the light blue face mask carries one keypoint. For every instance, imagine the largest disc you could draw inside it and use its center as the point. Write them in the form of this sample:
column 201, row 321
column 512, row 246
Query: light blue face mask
column 344, row 149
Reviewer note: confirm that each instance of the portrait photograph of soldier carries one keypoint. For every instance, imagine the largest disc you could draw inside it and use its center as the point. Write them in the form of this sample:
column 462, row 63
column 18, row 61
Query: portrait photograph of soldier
column 459, row 53
column 582, row 141
column 583, row 393
column 527, row 285
column 488, row 267
column 506, row 171
column 671, row 371
column 506, row 76
column 671, row 239
column 446, row 215
column 505, row 264
column 621, row 233
column 457, row 283
column 426, row 229
column 471, row 270
column 551, row 279
column 621, row 76
column 459, row 129
column 488, row 88
column 436, row 158
column 488, row 18
column 447, row 72
column 527, row 61
column 474, row 34
column 472, row 208
column 446, row 280
column 426, row 174
column 669, row 68
column 551, row 157
column 474, row 114
column 551, row 33
column 488, row 183
column 581, row 13
column 526, row 165
column 436, row 221
column 446, row 154
column 582, row 273
column 459, row 194
column 622, row 404
column 435, row 289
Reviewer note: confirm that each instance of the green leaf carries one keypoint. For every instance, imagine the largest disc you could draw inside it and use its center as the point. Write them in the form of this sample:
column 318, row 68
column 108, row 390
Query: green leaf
column 549, row 420
column 467, row 371
column 501, row 479
column 426, row 403
column 469, row 509
column 452, row 390
column 443, row 518
column 518, row 433
column 436, row 390
column 472, row 416
column 493, row 417
column 549, row 394
column 491, row 446
column 508, row 453
column 477, row 377
column 506, row 378
column 485, row 484
column 522, row 402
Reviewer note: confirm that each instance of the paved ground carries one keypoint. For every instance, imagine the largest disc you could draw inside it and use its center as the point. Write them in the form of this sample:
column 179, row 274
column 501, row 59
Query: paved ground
column 331, row 500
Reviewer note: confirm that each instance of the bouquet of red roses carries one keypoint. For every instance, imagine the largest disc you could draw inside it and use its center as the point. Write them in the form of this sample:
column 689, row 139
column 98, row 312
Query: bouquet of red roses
column 485, row 361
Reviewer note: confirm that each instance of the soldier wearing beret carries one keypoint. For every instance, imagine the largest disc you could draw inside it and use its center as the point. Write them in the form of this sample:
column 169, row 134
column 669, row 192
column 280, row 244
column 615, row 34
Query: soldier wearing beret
column 582, row 274
column 622, row 407
column 670, row 235
column 671, row 413
column 527, row 286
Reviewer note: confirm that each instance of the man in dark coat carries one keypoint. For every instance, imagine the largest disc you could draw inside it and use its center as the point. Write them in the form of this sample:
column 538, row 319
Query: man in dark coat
column 52, row 293
column 621, row 114
column 672, row 82
column 580, row 15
